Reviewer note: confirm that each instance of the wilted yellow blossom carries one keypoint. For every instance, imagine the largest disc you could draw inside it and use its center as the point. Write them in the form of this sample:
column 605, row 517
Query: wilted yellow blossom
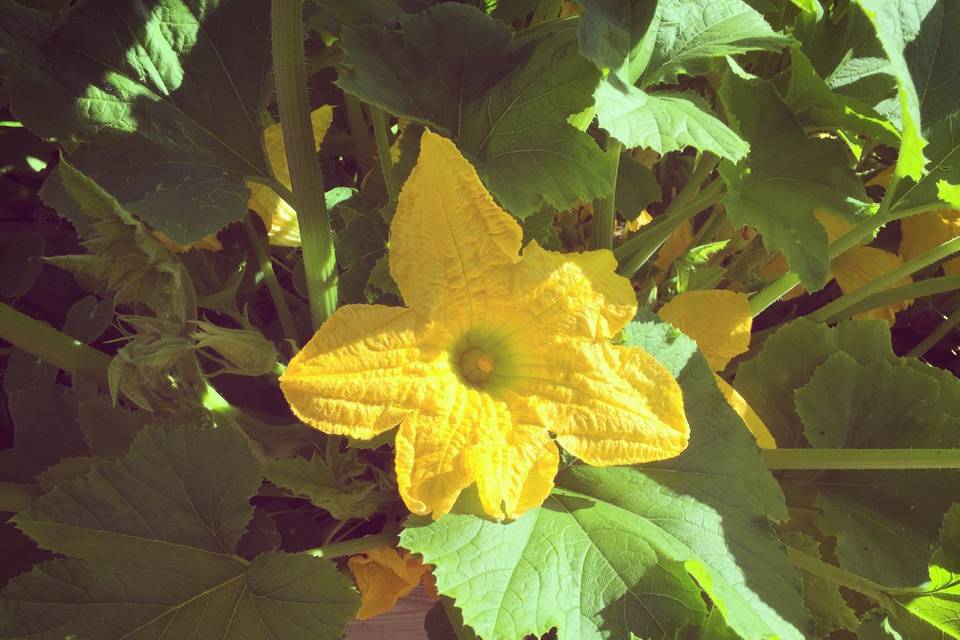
column 676, row 245
column 494, row 352
column 720, row 322
column 384, row 576
column 278, row 216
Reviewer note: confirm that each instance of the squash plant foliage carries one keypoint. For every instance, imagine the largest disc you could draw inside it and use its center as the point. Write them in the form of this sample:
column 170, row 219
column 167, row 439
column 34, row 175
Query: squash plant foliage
column 598, row 319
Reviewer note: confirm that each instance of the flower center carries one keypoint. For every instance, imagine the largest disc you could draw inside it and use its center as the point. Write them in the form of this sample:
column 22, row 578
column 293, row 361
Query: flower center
column 476, row 365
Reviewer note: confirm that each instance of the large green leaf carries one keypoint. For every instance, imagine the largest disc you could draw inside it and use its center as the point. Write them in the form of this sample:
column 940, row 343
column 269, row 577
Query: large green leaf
column 168, row 94
column 506, row 108
column 938, row 603
column 785, row 178
column 817, row 106
column 646, row 43
column 664, row 121
column 898, row 23
column 692, row 32
column 885, row 522
column 617, row 551
column 152, row 538
column 845, row 388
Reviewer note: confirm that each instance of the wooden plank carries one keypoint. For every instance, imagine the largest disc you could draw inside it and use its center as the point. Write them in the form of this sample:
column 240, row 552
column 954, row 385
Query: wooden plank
column 403, row 622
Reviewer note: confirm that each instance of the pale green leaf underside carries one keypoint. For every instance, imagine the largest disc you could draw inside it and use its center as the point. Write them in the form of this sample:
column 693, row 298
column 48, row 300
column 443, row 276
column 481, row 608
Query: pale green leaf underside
column 664, row 121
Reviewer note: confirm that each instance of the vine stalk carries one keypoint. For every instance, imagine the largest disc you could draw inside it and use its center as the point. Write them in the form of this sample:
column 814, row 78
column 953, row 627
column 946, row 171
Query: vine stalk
column 317, row 238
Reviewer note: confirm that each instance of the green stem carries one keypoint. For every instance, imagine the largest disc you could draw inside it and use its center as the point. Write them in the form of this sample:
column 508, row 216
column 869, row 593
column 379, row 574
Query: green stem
column 641, row 247
column 855, row 236
column 858, row 459
column 838, row 307
column 838, row 576
column 261, row 252
column 362, row 145
column 911, row 291
column 288, row 65
column 603, row 223
column 16, row 496
column 278, row 187
column 708, row 229
column 55, row 347
column 546, row 10
column 383, row 151
column 936, row 335
column 351, row 547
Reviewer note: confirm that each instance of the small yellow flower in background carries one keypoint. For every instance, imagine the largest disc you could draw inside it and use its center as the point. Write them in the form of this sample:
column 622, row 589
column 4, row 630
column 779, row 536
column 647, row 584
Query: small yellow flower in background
column 720, row 322
column 859, row 266
column 494, row 352
column 927, row 230
column 852, row 269
column 676, row 245
column 644, row 218
column 278, row 217
column 384, row 576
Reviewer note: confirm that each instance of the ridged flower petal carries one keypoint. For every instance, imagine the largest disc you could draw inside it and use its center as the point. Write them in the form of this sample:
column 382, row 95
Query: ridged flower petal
column 384, row 576
column 450, row 243
column 607, row 404
column 573, row 293
column 278, row 217
column 719, row 321
column 366, row 369
column 432, row 449
column 514, row 466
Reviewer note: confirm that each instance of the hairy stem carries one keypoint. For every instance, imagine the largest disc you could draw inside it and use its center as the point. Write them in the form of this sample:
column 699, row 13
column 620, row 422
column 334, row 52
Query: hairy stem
column 55, row 347
column 929, row 287
column 841, row 577
column 317, row 238
column 351, row 547
column 606, row 213
column 261, row 251
column 937, row 334
column 383, row 151
column 858, row 459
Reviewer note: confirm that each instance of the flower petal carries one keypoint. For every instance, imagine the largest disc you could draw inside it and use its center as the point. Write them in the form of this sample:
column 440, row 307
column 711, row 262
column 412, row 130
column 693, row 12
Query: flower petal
column 755, row 425
column 719, row 321
column 859, row 266
column 607, row 404
column 514, row 466
column 923, row 232
column 366, row 369
column 676, row 245
column 572, row 293
column 384, row 576
column 450, row 243
column 278, row 217
column 432, row 446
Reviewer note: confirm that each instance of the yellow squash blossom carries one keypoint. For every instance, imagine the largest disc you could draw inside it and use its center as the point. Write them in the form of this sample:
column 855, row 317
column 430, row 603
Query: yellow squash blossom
column 923, row 232
column 278, row 217
column 720, row 322
column 494, row 352
column 384, row 576
column 852, row 269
